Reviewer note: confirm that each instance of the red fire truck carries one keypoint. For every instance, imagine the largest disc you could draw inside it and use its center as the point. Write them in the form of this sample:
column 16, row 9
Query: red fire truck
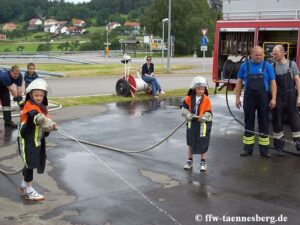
column 235, row 38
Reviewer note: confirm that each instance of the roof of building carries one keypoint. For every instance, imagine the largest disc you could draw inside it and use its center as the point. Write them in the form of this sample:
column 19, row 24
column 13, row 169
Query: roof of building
column 132, row 24
column 33, row 21
column 10, row 25
column 77, row 22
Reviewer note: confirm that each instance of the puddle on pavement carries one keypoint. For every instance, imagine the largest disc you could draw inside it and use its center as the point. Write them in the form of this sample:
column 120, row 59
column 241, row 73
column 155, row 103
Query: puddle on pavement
column 164, row 180
column 8, row 136
column 138, row 108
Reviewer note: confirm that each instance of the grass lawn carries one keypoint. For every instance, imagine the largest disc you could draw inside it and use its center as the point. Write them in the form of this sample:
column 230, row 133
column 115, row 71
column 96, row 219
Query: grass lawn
column 94, row 100
column 76, row 70
column 28, row 46
column 95, row 29
column 32, row 37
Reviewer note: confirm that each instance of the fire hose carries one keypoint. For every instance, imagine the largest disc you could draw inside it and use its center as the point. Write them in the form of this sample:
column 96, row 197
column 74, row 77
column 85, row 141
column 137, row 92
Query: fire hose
column 143, row 196
column 68, row 136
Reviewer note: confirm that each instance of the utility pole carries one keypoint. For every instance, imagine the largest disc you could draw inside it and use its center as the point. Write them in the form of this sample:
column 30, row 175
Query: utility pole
column 169, row 36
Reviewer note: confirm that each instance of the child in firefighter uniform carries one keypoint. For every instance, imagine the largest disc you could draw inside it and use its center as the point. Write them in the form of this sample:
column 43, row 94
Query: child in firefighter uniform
column 196, row 109
column 35, row 125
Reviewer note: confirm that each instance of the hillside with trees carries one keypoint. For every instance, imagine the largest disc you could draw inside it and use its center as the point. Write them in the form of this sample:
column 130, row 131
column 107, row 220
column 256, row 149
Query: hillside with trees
column 188, row 18
column 96, row 12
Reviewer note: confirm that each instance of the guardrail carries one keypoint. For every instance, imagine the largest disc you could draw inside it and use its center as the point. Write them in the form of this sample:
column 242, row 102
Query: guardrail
column 41, row 73
column 43, row 57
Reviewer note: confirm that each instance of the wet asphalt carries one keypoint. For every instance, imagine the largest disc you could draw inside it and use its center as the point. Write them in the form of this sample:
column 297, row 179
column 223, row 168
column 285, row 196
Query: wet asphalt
column 151, row 188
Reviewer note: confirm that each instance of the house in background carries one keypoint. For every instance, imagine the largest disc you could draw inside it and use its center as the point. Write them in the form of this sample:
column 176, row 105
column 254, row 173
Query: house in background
column 55, row 27
column 78, row 23
column 61, row 23
column 9, row 27
column 2, row 37
column 34, row 23
column 51, row 29
column 49, row 22
column 132, row 27
column 112, row 25
column 64, row 30
column 135, row 25
column 74, row 30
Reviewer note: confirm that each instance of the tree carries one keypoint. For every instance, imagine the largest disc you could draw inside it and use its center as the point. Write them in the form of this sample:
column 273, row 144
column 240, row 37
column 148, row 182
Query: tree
column 118, row 17
column 44, row 47
column 20, row 48
column 188, row 18
column 7, row 50
column 74, row 45
column 96, row 42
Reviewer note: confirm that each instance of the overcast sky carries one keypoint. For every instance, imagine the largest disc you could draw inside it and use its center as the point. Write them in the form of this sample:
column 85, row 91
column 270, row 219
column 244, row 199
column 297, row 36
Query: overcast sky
column 76, row 1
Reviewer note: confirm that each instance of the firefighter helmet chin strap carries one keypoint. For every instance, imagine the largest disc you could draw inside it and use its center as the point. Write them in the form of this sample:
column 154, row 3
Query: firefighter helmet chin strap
column 241, row 123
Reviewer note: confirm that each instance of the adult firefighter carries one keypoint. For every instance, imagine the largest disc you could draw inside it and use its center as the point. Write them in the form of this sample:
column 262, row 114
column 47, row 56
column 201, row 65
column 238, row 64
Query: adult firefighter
column 259, row 80
column 8, row 80
column 287, row 102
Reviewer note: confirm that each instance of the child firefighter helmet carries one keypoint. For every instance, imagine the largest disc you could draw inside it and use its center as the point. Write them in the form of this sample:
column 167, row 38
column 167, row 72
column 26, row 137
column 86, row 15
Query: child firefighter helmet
column 37, row 84
column 198, row 82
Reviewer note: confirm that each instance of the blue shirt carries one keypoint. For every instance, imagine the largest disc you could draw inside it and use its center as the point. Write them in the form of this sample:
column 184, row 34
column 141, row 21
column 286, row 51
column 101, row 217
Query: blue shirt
column 28, row 79
column 255, row 68
column 7, row 80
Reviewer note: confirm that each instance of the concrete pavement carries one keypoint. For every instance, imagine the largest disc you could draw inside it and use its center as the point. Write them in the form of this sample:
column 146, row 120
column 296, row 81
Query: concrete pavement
column 106, row 85
column 109, row 188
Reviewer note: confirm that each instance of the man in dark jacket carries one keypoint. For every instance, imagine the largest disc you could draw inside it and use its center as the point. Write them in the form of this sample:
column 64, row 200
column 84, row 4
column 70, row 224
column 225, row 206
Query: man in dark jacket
column 8, row 80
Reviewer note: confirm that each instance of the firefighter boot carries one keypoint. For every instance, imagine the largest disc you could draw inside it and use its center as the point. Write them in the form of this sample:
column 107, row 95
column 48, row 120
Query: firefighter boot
column 279, row 145
column 297, row 143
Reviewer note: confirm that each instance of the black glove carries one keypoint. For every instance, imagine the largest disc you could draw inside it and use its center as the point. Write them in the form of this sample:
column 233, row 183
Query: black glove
column 20, row 101
column 17, row 98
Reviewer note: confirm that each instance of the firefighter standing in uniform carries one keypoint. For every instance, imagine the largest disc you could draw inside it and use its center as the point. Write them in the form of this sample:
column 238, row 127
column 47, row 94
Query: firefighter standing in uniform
column 259, row 80
column 287, row 102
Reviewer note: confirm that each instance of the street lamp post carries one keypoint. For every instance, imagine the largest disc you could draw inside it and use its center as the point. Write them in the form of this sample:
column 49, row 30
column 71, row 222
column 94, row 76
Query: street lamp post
column 163, row 38
column 169, row 36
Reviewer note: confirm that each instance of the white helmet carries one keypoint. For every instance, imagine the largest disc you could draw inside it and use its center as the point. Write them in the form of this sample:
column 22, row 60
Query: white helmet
column 199, row 81
column 126, row 58
column 37, row 84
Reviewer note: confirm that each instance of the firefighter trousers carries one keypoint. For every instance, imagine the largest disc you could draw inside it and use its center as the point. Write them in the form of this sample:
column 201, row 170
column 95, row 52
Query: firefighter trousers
column 286, row 106
column 5, row 101
column 256, row 101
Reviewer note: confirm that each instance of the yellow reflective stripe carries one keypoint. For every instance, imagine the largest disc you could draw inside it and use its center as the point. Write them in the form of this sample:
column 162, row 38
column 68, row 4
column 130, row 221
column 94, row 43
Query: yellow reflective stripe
column 36, row 136
column 22, row 145
column 263, row 141
column 189, row 124
column 248, row 140
column 203, row 130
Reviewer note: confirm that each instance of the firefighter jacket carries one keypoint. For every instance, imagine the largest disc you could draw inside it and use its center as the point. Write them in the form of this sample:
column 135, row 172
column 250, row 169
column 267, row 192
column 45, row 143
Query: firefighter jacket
column 198, row 133
column 31, row 138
